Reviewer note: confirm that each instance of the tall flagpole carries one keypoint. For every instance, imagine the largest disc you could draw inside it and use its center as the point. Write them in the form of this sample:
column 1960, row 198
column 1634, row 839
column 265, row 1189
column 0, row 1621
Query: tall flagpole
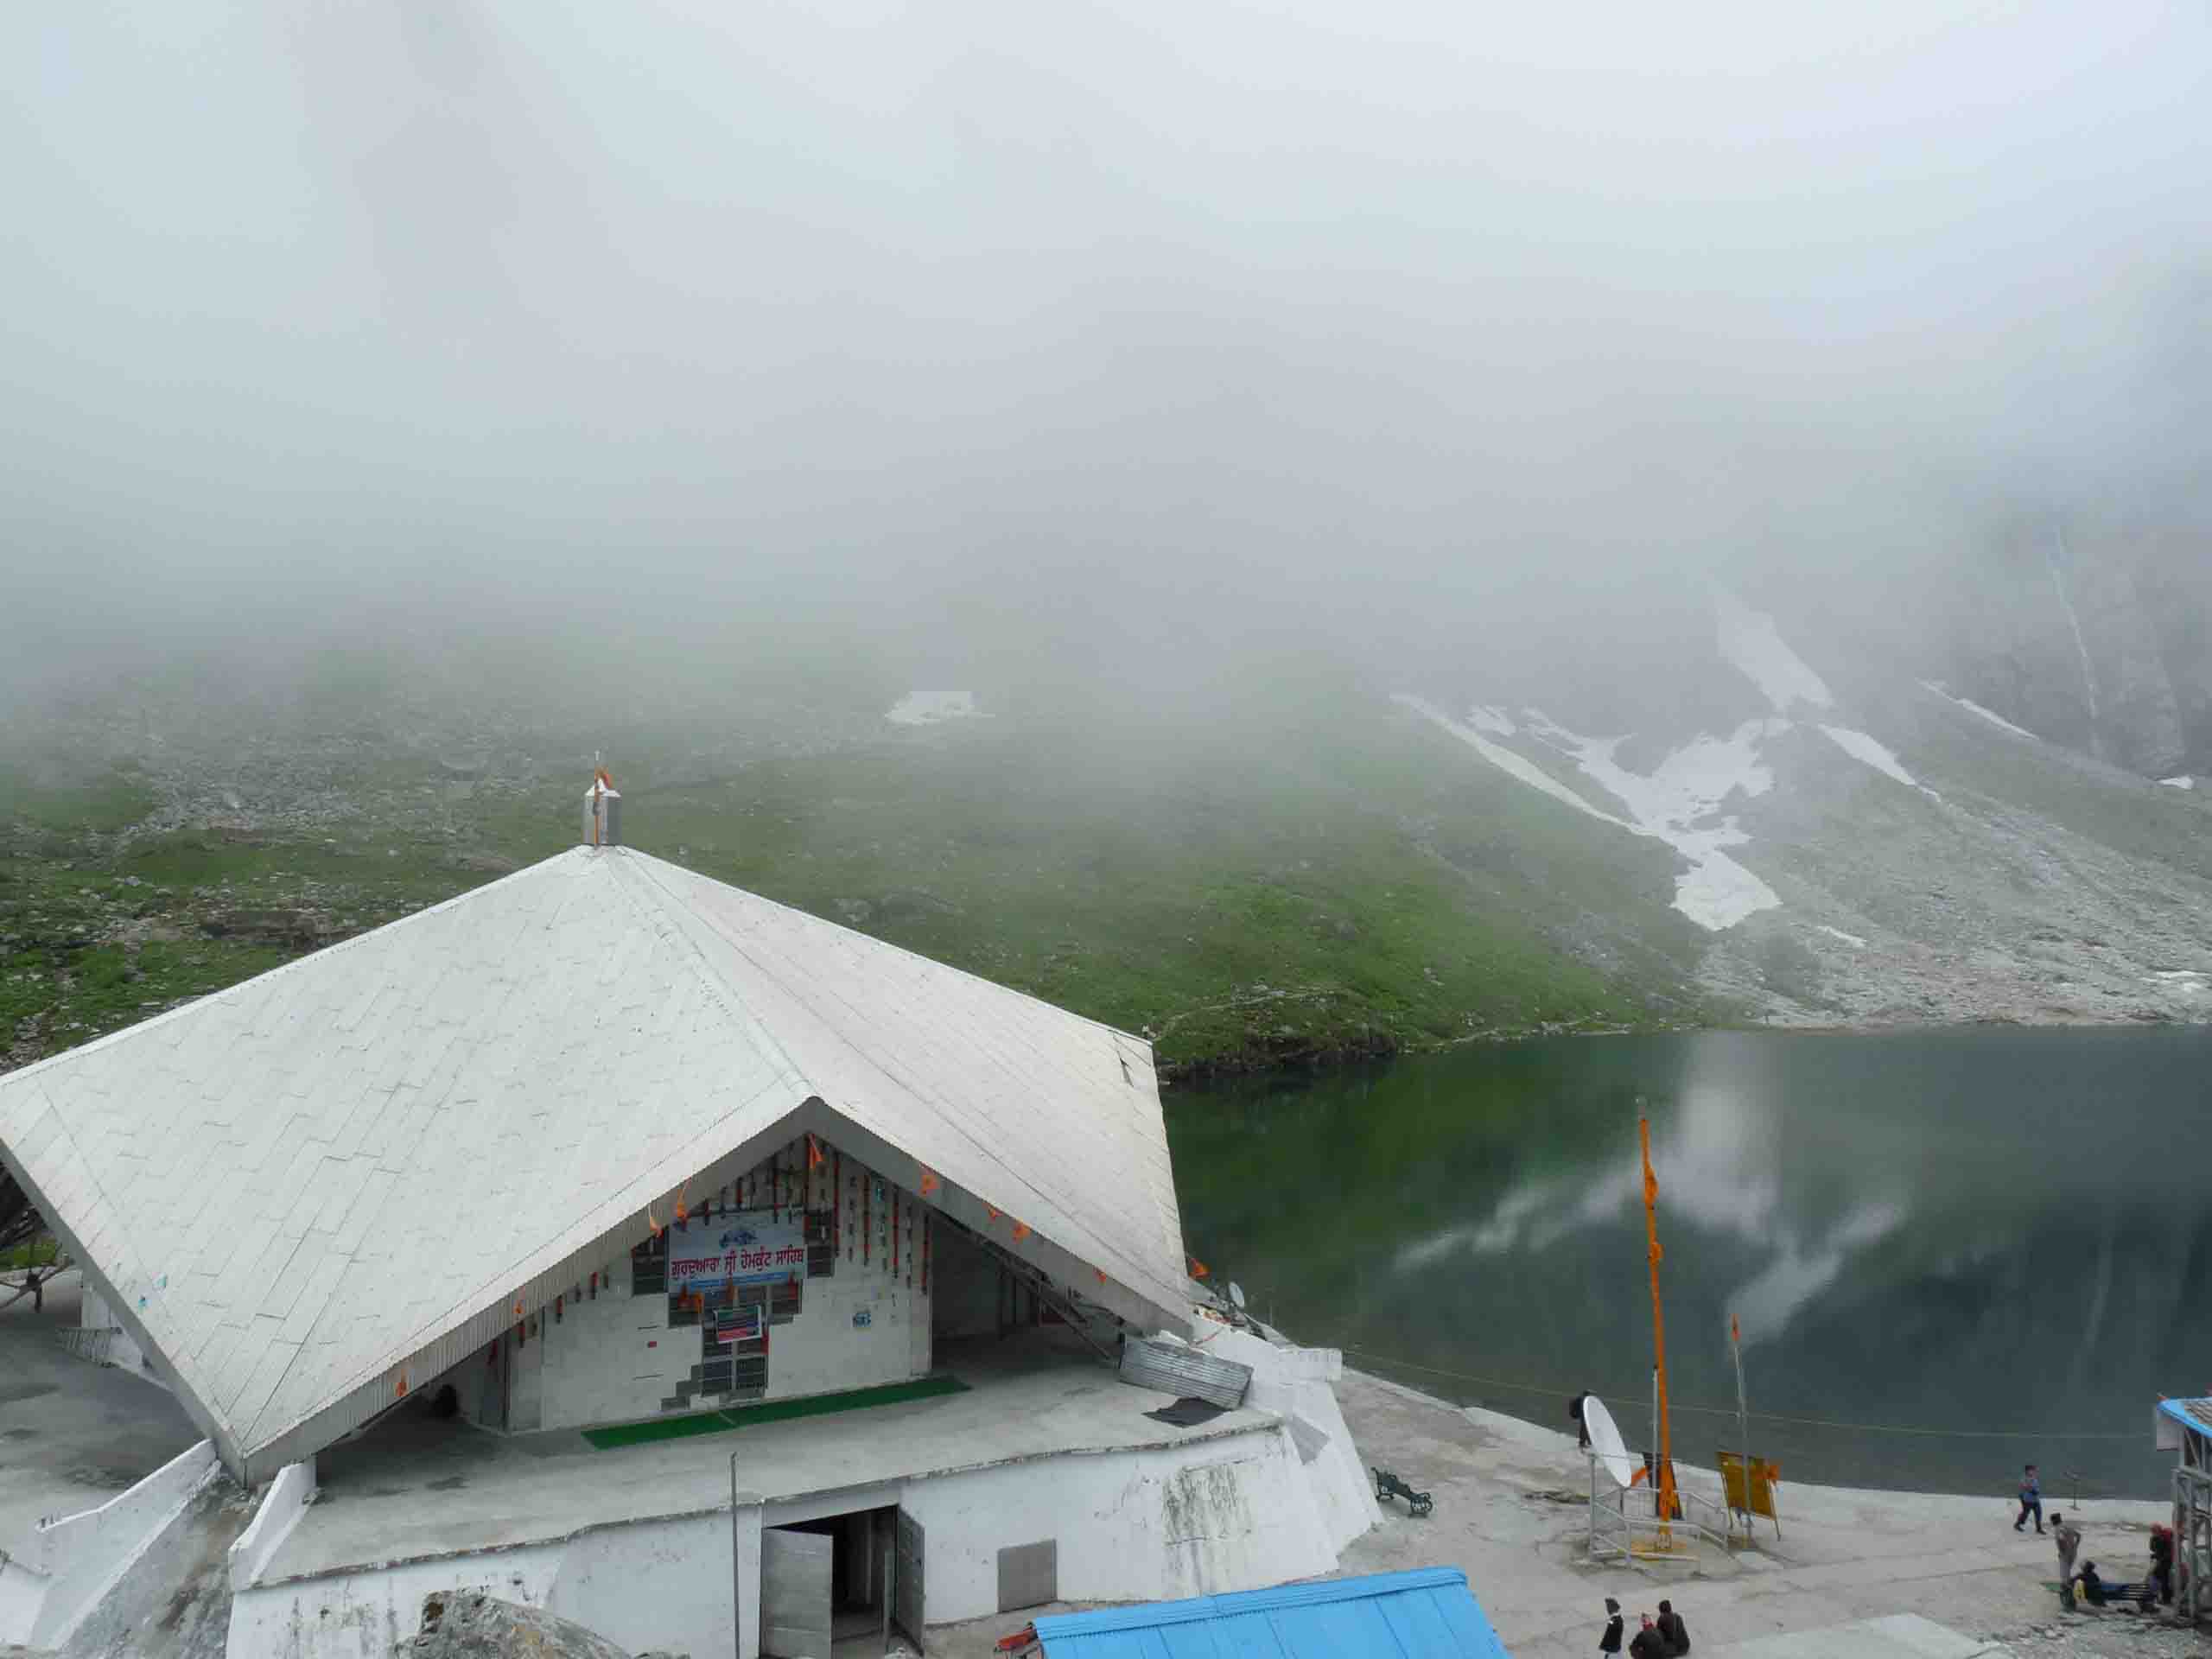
column 1666, row 1487
column 1743, row 1415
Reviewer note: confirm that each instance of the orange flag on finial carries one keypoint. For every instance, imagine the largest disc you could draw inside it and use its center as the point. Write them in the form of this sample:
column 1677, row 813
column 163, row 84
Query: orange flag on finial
column 991, row 1210
column 403, row 1383
column 682, row 1214
column 813, row 1152
column 929, row 1180
column 1101, row 1272
column 1020, row 1231
column 1197, row 1268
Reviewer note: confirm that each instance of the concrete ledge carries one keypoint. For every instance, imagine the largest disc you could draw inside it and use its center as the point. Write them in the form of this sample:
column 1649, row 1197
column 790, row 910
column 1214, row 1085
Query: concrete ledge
column 82, row 1557
column 282, row 1506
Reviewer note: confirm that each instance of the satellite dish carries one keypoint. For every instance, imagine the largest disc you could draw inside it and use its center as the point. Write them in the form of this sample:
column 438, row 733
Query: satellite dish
column 1605, row 1440
column 1236, row 1294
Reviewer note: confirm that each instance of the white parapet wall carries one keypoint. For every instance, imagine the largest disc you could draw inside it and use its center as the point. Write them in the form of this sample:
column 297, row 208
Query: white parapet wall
column 1235, row 1511
column 1298, row 1383
column 282, row 1506
column 75, row 1559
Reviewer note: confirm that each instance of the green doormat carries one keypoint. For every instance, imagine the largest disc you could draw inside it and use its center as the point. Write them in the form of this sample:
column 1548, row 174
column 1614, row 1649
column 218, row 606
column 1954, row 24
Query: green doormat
column 769, row 1411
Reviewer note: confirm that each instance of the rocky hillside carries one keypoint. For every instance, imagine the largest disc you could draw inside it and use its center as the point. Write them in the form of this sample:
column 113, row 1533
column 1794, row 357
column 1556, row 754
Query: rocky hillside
column 1939, row 828
column 2100, row 640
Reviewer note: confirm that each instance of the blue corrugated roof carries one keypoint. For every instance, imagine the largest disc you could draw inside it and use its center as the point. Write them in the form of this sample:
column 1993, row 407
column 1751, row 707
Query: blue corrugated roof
column 1428, row 1613
column 2195, row 1414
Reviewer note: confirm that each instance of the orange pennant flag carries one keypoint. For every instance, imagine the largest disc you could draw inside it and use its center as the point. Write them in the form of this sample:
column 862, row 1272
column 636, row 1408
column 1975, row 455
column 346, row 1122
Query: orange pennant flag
column 683, row 1215
column 991, row 1210
column 929, row 1180
column 403, row 1383
column 813, row 1152
column 1197, row 1268
column 1020, row 1231
column 1101, row 1272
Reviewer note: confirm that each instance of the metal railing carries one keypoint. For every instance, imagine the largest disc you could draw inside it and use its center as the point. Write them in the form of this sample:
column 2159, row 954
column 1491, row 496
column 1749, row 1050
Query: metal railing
column 1625, row 1523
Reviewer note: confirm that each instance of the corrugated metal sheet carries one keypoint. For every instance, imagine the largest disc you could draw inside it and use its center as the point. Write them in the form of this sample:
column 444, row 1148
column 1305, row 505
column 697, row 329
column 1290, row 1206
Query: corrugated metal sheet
column 334, row 1180
column 1173, row 1369
column 1426, row 1614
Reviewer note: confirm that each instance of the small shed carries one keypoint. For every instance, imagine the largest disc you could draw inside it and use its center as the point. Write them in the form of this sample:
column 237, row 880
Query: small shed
column 2185, row 1426
column 1427, row 1613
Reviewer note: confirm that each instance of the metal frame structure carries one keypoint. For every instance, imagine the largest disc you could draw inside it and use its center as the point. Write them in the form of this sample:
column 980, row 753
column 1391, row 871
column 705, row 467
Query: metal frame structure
column 2185, row 1426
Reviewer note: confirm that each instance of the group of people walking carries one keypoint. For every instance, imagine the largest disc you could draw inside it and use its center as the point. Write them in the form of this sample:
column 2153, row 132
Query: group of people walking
column 1663, row 1637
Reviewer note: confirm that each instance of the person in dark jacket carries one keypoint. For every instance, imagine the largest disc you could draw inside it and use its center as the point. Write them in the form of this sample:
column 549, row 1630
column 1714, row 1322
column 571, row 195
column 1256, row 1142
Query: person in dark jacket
column 1649, row 1644
column 1581, row 1429
column 1611, row 1640
column 2093, row 1587
column 1672, row 1631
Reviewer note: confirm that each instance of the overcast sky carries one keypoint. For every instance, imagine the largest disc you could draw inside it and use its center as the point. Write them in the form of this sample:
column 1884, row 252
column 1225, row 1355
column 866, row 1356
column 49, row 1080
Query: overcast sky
column 959, row 312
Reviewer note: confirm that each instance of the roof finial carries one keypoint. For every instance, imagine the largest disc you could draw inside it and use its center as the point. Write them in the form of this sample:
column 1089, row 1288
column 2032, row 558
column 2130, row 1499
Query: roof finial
column 602, row 807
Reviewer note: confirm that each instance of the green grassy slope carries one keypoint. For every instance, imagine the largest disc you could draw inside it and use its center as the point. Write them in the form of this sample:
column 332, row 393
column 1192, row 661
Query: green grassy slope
column 1335, row 879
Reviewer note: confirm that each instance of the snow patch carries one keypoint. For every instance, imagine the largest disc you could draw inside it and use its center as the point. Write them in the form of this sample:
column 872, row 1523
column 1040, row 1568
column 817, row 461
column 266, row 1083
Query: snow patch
column 1852, row 939
column 1494, row 721
column 1673, row 803
column 1860, row 747
column 1973, row 707
column 2179, row 782
column 2189, row 981
column 1749, row 641
column 1502, row 758
column 928, row 708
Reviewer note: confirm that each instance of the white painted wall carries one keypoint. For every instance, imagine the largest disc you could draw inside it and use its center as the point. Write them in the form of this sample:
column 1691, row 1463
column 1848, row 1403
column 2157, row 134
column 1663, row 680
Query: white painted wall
column 1231, row 1513
column 1198, row 1519
column 364, row 1615
column 283, row 1503
column 615, row 1357
column 1297, row 1381
column 81, row 1557
column 118, row 1348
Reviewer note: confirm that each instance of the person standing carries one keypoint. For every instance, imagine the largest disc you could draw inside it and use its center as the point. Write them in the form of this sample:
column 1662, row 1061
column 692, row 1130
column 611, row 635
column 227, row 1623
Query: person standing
column 1581, row 1429
column 1611, row 1640
column 2068, row 1538
column 2031, row 1500
column 1672, row 1631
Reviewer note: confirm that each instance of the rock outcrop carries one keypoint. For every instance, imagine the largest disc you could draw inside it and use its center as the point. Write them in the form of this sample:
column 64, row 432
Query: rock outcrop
column 469, row 1625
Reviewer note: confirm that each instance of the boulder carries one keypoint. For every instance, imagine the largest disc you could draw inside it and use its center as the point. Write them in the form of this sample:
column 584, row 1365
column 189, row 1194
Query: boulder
column 469, row 1625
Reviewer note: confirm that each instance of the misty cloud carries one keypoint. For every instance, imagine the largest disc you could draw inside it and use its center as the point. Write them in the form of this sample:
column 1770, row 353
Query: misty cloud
column 1075, row 321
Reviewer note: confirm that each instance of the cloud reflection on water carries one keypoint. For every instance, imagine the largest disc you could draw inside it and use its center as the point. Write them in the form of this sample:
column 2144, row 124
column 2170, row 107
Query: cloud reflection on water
column 1723, row 1166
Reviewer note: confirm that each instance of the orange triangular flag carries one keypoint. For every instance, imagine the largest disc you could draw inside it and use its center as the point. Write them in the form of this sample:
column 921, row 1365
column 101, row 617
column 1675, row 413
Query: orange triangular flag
column 813, row 1152
column 1020, row 1231
column 1101, row 1272
column 991, row 1211
column 683, row 1215
column 1197, row 1268
column 929, row 1180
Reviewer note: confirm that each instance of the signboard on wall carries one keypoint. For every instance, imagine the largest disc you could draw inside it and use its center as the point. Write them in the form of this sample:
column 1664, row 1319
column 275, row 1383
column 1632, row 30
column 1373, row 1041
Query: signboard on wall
column 741, row 1247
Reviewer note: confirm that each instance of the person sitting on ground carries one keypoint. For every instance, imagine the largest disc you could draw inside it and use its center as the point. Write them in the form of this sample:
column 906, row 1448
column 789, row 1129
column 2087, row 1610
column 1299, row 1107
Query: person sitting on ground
column 2067, row 1539
column 1671, row 1627
column 1649, row 1644
column 1611, row 1640
column 2093, row 1587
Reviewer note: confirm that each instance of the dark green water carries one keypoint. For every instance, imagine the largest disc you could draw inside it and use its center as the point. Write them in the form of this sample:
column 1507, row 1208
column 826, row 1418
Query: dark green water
column 2001, row 1235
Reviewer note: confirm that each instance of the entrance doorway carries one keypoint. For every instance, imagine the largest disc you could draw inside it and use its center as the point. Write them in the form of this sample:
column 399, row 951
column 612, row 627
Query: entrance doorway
column 840, row 1586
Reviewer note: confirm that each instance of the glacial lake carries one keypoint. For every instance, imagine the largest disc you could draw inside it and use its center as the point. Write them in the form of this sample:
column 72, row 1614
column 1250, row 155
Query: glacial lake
column 1952, row 1252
